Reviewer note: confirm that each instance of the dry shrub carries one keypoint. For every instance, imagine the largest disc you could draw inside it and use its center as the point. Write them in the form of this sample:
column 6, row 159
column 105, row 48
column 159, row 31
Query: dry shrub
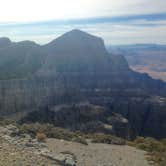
column 41, row 137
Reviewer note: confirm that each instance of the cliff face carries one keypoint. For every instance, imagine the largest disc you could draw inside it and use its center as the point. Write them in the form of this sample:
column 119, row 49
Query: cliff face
column 73, row 68
column 84, row 117
column 146, row 114
column 79, row 52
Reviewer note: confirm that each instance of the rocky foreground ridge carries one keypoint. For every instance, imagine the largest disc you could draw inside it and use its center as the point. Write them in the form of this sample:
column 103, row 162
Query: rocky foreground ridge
column 21, row 149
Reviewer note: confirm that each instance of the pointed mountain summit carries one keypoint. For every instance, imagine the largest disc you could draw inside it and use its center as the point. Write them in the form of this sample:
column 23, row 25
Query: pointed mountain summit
column 77, row 40
column 77, row 51
column 78, row 34
column 74, row 35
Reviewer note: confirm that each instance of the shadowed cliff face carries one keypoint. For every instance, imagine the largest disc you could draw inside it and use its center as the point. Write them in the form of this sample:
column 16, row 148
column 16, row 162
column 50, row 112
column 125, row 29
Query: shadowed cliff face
column 82, row 117
column 77, row 52
column 73, row 68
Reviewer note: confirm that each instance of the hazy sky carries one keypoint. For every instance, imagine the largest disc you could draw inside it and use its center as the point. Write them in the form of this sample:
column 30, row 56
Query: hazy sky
column 117, row 21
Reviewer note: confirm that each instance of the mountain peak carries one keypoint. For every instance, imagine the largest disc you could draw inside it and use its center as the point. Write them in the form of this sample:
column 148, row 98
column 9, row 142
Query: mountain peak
column 4, row 42
column 4, row 39
column 27, row 43
column 79, row 41
column 76, row 36
column 76, row 33
column 78, row 51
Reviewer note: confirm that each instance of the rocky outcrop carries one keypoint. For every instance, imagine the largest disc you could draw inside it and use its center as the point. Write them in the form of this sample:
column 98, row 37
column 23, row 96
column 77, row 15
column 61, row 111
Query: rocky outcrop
column 83, row 117
column 66, row 159
column 10, row 133
column 146, row 115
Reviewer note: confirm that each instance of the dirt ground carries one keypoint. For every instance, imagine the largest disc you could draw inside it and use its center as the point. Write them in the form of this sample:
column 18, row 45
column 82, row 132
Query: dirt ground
column 100, row 154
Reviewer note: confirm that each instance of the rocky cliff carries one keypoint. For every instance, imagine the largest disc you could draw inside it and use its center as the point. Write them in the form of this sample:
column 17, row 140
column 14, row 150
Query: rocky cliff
column 76, row 68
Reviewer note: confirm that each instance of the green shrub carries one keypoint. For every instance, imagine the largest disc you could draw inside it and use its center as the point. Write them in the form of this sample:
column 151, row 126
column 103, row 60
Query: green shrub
column 139, row 140
column 32, row 129
column 5, row 121
column 80, row 139
column 149, row 144
column 108, row 139
column 163, row 141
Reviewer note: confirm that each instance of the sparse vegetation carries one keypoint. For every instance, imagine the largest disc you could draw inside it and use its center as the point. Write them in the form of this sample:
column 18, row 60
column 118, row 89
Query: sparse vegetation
column 80, row 139
column 108, row 139
column 52, row 132
column 4, row 121
column 156, row 149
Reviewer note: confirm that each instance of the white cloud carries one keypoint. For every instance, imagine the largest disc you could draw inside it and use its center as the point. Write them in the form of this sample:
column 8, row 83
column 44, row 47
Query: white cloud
column 125, row 32
column 128, row 34
column 37, row 10
column 117, row 33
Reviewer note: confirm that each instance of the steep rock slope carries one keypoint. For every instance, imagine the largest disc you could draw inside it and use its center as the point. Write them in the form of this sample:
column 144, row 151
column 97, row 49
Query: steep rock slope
column 77, row 56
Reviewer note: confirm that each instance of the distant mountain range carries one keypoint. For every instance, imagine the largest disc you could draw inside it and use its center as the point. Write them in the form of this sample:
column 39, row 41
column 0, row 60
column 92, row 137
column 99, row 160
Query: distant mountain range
column 47, row 83
column 144, row 58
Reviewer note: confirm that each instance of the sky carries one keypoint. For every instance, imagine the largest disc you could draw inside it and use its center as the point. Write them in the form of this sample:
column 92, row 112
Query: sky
column 116, row 21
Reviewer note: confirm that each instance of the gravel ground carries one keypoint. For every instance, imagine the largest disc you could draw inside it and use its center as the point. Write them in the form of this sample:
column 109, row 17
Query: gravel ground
column 86, row 155
column 11, row 155
column 100, row 154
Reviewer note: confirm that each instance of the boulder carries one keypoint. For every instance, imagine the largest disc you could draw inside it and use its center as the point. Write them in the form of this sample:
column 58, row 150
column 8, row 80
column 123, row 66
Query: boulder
column 62, row 159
